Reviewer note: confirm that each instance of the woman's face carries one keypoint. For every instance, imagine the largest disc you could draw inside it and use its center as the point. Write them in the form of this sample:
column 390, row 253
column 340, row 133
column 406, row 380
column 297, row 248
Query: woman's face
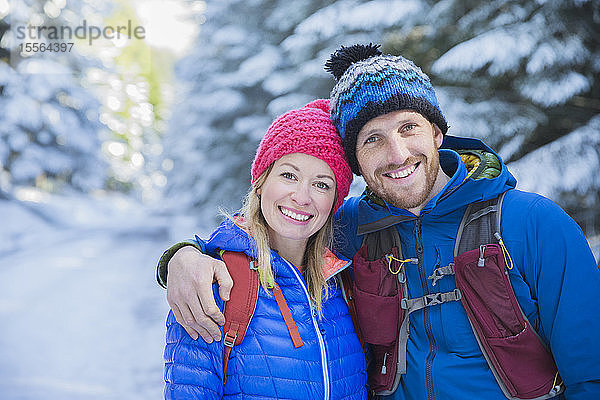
column 296, row 199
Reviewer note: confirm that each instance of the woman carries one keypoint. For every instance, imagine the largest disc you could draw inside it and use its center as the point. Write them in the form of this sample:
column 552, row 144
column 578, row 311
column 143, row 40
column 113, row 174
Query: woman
column 299, row 178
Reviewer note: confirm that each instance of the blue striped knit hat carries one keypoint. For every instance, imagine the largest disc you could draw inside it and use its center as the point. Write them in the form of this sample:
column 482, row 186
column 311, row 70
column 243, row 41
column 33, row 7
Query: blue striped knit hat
column 370, row 84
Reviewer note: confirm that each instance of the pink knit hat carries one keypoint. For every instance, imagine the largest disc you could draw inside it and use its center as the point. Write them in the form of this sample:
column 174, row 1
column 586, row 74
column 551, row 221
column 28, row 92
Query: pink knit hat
column 309, row 131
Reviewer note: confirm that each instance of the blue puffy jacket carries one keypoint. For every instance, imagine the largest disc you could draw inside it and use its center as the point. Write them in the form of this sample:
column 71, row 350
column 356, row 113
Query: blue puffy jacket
column 330, row 364
column 556, row 282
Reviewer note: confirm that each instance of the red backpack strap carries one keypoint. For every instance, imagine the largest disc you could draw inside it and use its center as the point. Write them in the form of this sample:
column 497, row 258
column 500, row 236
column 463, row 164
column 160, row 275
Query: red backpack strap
column 239, row 309
column 349, row 296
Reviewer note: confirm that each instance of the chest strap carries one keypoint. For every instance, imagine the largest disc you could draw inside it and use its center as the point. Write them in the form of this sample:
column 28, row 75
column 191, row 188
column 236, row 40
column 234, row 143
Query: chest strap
column 428, row 300
column 410, row 305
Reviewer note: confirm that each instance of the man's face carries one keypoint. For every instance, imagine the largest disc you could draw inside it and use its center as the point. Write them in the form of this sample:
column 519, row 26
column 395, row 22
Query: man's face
column 398, row 158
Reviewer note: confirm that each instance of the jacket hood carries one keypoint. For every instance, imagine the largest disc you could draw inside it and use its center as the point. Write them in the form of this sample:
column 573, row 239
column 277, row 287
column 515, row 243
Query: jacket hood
column 231, row 237
column 461, row 190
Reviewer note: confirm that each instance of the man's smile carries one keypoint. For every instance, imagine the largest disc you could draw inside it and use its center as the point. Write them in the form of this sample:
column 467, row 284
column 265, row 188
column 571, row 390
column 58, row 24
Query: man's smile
column 402, row 172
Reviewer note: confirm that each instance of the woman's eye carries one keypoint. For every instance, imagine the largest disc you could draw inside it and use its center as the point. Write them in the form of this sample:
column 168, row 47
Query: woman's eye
column 288, row 175
column 322, row 185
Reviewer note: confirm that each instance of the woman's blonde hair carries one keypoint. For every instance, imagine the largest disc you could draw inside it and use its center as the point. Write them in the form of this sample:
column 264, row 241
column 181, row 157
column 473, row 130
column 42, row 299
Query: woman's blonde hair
column 257, row 226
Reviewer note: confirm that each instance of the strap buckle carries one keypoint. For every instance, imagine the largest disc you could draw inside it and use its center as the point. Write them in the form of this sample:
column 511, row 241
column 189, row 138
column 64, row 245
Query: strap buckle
column 432, row 299
column 402, row 277
column 429, row 300
column 228, row 340
column 440, row 272
column 404, row 303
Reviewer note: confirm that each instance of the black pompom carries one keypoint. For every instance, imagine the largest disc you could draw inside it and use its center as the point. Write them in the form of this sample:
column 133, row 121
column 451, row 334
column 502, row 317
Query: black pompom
column 339, row 61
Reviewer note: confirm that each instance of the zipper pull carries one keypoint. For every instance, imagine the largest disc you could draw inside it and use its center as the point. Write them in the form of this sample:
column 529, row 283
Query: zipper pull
column 504, row 251
column 481, row 261
column 384, row 368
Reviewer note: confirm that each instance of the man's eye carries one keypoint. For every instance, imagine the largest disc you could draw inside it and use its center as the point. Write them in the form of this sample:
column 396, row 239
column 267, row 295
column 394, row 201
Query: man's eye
column 371, row 139
column 408, row 127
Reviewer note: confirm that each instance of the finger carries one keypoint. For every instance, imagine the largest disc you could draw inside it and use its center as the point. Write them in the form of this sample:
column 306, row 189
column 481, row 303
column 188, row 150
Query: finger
column 193, row 334
column 177, row 314
column 204, row 321
column 207, row 309
column 205, row 335
column 189, row 321
column 224, row 280
column 211, row 328
column 207, row 328
column 190, row 331
column 209, row 306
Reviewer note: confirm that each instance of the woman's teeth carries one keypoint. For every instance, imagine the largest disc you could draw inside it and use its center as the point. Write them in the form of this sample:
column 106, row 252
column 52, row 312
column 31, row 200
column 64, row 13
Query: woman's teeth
column 293, row 215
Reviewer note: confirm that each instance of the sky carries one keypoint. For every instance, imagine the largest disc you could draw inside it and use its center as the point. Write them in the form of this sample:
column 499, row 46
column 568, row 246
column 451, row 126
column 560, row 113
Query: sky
column 167, row 23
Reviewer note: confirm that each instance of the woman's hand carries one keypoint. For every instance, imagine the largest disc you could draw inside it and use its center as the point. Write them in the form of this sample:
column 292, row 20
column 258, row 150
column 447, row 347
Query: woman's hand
column 190, row 295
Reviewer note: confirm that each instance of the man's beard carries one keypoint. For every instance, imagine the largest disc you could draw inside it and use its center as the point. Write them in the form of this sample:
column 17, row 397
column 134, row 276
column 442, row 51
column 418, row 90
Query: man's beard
column 404, row 199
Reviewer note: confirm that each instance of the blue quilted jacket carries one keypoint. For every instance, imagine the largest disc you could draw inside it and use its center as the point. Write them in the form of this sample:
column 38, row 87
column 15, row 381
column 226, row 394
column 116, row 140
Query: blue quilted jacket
column 329, row 365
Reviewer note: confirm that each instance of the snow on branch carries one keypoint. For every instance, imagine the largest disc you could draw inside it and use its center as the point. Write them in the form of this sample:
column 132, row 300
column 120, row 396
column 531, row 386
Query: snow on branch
column 566, row 164
column 548, row 92
column 500, row 49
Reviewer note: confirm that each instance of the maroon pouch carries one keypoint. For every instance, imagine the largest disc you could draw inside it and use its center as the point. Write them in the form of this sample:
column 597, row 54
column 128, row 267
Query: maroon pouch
column 377, row 299
column 377, row 296
column 378, row 377
column 523, row 367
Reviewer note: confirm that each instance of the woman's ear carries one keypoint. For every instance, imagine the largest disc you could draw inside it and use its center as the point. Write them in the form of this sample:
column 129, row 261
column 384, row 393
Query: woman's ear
column 258, row 192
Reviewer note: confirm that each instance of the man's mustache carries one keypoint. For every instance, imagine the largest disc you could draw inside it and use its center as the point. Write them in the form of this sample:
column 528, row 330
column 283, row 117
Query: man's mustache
column 393, row 167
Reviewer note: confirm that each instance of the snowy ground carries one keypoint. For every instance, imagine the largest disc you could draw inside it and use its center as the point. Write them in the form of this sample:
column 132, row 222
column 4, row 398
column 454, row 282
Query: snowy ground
column 82, row 315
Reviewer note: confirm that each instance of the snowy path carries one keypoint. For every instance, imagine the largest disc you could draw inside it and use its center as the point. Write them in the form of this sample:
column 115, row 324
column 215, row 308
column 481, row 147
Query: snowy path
column 82, row 315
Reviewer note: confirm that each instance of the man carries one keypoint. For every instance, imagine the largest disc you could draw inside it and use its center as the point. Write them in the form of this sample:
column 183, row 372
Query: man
column 394, row 135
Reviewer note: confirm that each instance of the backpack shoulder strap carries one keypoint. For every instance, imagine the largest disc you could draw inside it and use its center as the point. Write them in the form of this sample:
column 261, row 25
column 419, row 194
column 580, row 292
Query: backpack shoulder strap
column 479, row 225
column 380, row 242
column 348, row 292
column 239, row 309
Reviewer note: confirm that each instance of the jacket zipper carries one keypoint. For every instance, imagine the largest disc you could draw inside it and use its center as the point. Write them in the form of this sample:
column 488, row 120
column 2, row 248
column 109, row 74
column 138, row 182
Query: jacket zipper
column 426, row 313
column 318, row 332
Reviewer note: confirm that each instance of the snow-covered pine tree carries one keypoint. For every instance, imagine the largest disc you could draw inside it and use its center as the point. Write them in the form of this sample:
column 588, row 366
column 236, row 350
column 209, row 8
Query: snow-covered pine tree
column 225, row 104
column 48, row 121
column 523, row 76
column 517, row 75
column 253, row 61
